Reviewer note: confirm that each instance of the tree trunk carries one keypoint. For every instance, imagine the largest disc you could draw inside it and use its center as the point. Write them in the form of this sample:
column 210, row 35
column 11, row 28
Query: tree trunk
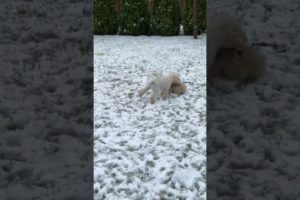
column 182, row 7
column 195, row 18
column 118, row 7
column 150, row 6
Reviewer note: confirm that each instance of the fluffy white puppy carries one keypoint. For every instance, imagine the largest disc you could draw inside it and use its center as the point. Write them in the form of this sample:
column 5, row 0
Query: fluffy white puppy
column 161, row 86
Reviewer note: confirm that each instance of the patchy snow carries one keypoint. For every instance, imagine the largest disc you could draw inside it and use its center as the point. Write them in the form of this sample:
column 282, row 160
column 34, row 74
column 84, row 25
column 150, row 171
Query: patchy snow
column 145, row 151
column 258, row 120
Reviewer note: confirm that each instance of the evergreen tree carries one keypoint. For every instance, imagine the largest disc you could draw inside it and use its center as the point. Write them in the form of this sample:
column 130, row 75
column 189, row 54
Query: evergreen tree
column 105, row 18
column 134, row 19
column 165, row 18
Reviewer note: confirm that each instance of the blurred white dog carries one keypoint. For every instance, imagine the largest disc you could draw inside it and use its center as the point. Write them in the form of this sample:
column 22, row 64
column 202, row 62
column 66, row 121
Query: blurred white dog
column 247, row 66
column 223, row 31
column 228, row 53
column 162, row 86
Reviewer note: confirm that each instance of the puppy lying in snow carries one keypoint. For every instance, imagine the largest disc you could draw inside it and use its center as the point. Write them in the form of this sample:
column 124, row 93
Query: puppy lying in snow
column 229, row 55
column 162, row 86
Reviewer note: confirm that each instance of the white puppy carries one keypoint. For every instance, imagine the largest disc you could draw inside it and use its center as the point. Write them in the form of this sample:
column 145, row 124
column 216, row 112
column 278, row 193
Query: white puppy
column 160, row 86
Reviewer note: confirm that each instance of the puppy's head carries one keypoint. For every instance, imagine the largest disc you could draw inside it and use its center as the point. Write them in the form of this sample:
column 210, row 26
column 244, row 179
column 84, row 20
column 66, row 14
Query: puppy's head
column 178, row 88
column 174, row 78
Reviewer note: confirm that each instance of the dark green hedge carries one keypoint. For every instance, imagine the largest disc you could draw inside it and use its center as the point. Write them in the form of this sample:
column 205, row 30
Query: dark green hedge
column 202, row 15
column 165, row 18
column 105, row 17
column 188, row 17
column 134, row 18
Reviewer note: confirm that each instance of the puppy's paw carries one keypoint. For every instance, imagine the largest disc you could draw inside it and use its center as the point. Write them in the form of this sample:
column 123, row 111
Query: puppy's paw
column 152, row 100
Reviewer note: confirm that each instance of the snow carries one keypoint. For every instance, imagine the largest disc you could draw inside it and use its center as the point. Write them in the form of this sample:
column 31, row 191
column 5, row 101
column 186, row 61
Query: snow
column 253, row 128
column 45, row 110
column 143, row 150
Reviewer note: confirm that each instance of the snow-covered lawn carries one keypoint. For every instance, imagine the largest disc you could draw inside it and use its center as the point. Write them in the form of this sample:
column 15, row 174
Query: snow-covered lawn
column 145, row 151
column 254, row 128
column 45, row 106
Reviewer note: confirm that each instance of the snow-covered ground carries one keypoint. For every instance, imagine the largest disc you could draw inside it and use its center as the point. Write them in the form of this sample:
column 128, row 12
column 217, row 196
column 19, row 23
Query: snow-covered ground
column 254, row 128
column 45, row 102
column 144, row 151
